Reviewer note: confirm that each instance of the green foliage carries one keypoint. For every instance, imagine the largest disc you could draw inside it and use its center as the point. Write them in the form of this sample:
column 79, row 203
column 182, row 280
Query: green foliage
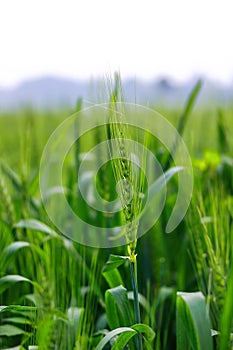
column 9, row 253
column 122, row 336
column 226, row 320
column 8, row 330
column 192, row 322
column 184, row 117
column 114, row 261
column 222, row 133
column 118, row 308
column 56, row 294
column 9, row 280
column 211, row 238
column 114, row 333
column 110, row 271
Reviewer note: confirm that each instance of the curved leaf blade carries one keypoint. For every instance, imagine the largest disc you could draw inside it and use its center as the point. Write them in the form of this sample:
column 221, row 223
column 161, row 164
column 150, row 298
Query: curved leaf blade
column 9, row 252
column 8, row 330
column 118, row 308
column 160, row 183
column 35, row 225
column 113, row 334
column 114, row 261
column 113, row 278
column 122, row 340
column 192, row 322
column 18, row 308
column 226, row 317
column 147, row 332
column 9, row 280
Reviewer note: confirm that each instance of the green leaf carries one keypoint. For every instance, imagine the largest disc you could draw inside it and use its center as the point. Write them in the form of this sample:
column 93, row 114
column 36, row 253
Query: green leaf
column 188, row 106
column 113, row 278
column 12, row 176
column 112, row 335
column 75, row 315
column 122, row 340
column 192, row 322
column 36, row 225
column 226, row 316
column 9, row 280
column 8, row 330
column 114, row 261
column 118, row 309
column 124, row 334
column 14, row 247
column 148, row 333
column 18, row 308
column 184, row 118
column 34, row 183
column 110, row 272
column 160, row 183
column 18, row 320
column 9, row 252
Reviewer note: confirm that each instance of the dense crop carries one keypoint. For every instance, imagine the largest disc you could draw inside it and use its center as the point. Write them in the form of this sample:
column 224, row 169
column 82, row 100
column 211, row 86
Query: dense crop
column 58, row 294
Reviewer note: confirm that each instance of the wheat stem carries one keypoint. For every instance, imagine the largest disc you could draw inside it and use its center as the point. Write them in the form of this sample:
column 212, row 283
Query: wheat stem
column 137, row 316
column 130, row 184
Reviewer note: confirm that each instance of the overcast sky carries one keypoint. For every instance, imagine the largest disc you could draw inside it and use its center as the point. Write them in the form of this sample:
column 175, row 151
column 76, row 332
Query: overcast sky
column 144, row 39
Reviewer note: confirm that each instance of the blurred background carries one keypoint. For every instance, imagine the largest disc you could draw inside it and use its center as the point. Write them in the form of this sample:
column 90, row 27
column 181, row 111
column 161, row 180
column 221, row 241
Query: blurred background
column 53, row 52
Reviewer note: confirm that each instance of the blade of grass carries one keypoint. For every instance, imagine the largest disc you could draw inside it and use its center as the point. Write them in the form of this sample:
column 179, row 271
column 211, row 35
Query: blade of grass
column 193, row 324
column 184, row 118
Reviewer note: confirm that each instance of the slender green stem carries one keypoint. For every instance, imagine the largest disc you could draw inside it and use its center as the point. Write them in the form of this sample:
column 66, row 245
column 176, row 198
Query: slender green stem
column 137, row 317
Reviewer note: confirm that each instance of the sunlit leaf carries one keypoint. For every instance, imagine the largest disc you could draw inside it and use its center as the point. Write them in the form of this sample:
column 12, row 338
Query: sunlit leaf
column 113, row 334
column 9, row 280
column 114, row 261
column 8, row 330
column 192, row 322
column 118, row 307
column 35, row 225
column 9, row 252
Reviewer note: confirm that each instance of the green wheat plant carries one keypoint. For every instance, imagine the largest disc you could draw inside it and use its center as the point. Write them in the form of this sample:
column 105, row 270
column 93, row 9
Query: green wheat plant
column 130, row 183
column 131, row 186
column 160, row 292
column 211, row 242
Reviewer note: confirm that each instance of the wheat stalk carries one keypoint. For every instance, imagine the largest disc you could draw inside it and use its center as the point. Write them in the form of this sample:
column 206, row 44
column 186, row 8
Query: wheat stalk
column 130, row 181
column 6, row 202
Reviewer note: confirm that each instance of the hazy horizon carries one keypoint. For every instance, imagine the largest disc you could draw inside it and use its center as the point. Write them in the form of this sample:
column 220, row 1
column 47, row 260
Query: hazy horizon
column 81, row 39
column 147, row 80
